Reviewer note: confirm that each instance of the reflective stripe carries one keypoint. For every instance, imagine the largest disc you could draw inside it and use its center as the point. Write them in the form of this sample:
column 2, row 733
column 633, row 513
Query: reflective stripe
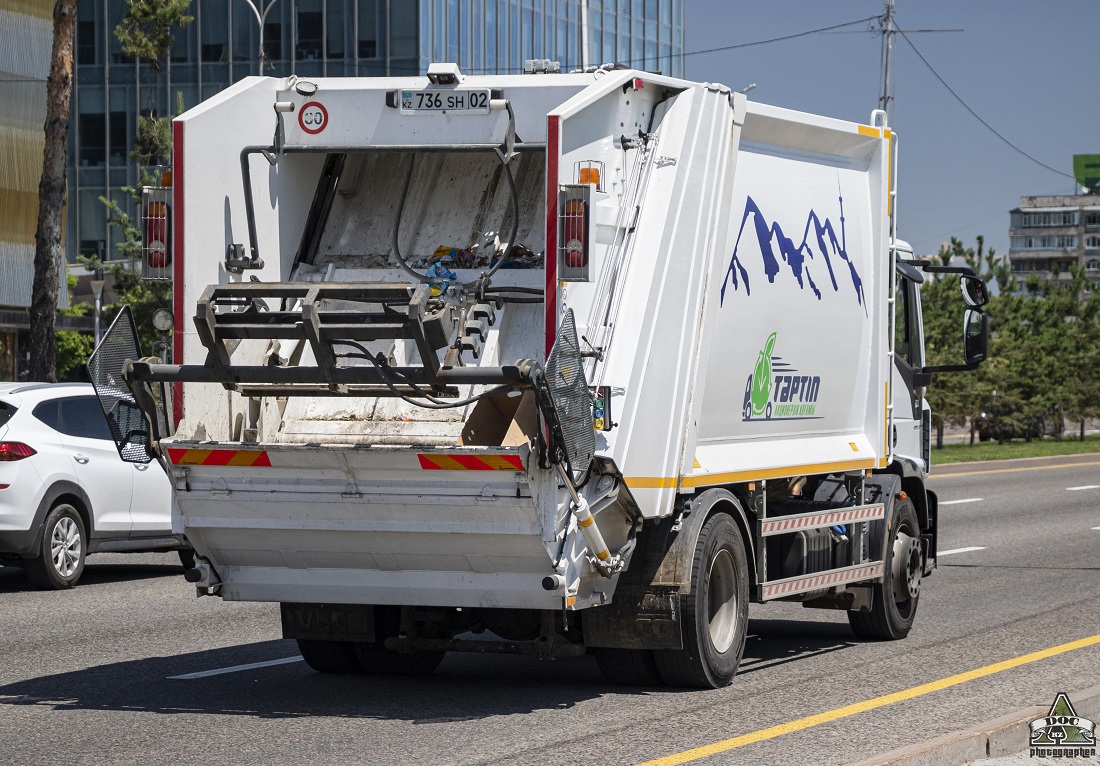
column 795, row 585
column 453, row 462
column 220, row 457
column 821, row 520
column 712, row 479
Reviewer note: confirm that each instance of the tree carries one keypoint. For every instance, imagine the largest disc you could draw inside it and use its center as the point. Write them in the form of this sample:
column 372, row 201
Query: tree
column 48, row 248
column 958, row 398
column 143, row 298
column 146, row 30
column 73, row 347
column 145, row 33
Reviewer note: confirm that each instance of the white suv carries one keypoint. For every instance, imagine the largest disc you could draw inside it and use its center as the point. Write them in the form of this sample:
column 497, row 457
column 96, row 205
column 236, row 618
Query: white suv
column 64, row 490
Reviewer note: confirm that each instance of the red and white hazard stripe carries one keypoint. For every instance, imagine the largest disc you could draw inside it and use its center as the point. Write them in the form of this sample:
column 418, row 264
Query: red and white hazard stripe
column 820, row 520
column 821, row 580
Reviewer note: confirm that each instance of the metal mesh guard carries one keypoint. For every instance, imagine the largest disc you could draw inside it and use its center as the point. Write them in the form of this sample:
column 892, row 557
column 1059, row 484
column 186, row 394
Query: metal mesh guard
column 572, row 399
column 128, row 427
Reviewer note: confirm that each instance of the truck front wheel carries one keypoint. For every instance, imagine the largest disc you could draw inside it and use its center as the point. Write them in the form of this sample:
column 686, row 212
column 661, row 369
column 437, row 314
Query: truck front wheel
column 715, row 611
column 894, row 600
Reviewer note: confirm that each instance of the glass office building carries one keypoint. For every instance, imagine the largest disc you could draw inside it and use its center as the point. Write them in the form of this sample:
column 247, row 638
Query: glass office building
column 318, row 38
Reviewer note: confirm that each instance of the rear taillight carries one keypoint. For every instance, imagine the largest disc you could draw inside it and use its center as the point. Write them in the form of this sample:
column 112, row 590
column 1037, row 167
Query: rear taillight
column 12, row 451
column 573, row 232
column 576, row 234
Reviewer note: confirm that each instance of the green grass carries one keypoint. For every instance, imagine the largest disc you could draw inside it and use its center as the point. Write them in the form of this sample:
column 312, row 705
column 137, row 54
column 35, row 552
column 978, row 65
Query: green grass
column 959, row 453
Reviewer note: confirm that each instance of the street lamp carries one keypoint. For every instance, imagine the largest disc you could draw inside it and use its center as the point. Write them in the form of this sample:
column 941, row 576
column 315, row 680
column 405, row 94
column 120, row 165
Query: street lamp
column 97, row 291
column 261, row 19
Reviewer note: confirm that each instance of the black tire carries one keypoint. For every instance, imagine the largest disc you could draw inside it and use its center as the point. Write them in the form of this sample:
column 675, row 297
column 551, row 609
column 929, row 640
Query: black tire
column 187, row 558
column 329, row 656
column 894, row 600
column 376, row 659
column 715, row 611
column 628, row 667
column 62, row 551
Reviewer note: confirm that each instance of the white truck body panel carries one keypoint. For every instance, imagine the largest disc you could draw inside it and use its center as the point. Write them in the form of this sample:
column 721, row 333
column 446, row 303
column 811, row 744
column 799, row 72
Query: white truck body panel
column 806, row 261
column 732, row 223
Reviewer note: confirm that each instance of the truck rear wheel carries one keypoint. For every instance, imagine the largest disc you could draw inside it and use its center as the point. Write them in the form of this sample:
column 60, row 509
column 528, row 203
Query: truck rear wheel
column 330, row 656
column 894, row 600
column 715, row 611
column 628, row 667
column 376, row 659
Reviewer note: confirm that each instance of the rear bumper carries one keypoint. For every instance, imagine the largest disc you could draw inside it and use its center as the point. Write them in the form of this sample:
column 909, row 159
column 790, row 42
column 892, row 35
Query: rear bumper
column 408, row 588
column 18, row 542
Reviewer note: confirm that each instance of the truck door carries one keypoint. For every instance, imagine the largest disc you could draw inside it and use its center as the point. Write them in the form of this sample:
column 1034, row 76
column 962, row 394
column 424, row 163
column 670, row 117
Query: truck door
column 908, row 397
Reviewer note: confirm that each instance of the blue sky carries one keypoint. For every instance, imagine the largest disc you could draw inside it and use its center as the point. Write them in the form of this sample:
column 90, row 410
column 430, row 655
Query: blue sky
column 1029, row 69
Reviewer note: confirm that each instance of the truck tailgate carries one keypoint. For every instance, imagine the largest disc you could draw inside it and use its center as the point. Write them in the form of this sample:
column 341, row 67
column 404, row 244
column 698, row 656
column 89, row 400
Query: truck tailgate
column 425, row 526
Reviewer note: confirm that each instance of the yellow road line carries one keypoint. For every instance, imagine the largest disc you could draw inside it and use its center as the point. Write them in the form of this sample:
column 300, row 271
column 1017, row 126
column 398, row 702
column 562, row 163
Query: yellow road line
column 1012, row 470
column 862, row 707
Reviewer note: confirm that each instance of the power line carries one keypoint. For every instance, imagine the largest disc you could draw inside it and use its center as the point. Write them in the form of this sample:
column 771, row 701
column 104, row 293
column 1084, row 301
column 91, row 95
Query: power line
column 633, row 62
column 781, row 39
column 975, row 115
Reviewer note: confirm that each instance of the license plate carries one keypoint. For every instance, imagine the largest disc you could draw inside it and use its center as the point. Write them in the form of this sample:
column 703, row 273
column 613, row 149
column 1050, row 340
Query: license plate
column 445, row 101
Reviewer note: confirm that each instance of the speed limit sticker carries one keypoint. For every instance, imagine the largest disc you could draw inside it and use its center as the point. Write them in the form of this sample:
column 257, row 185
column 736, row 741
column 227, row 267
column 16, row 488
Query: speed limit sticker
column 313, row 117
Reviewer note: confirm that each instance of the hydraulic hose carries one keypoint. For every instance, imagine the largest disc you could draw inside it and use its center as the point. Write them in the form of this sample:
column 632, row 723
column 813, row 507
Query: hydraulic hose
column 511, row 239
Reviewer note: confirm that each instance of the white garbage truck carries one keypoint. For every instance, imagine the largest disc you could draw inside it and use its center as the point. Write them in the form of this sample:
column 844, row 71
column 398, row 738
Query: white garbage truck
column 545, row 363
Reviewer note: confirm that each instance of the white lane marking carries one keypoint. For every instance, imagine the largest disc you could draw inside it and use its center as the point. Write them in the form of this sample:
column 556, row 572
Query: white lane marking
column 1096, row 529
column 961, row 550
column 234, row 669
column 960, row 502
column 1075, row 489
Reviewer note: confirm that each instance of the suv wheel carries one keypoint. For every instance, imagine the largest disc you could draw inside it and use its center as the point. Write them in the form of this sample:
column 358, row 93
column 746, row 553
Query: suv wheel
column 64, row 545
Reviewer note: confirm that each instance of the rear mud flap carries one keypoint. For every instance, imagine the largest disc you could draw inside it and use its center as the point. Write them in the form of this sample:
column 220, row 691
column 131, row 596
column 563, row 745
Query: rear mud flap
column 641, row 617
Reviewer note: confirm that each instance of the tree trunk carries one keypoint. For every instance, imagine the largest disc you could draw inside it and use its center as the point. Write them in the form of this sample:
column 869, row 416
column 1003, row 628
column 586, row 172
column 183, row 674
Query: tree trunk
column 48, row 247
column 1082, row 429
column 939, row 434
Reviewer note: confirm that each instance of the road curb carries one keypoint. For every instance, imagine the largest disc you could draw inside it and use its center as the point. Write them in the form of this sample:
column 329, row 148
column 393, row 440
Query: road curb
column 1000, row 737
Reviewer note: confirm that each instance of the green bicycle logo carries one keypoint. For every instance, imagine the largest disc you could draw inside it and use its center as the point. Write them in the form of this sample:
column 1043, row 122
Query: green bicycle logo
column 758, row 390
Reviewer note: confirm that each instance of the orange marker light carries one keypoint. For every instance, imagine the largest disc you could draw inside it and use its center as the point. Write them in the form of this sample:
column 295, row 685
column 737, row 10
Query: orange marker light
column 590, row 176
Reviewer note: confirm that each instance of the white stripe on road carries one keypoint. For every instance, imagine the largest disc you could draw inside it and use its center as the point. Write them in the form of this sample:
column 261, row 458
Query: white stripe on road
column 1075, row 489
column 960, row 502
column 961, row 550
column 234, row 669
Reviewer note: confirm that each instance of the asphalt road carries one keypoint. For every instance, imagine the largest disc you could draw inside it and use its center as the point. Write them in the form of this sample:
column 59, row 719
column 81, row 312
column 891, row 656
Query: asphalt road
column 86, row 675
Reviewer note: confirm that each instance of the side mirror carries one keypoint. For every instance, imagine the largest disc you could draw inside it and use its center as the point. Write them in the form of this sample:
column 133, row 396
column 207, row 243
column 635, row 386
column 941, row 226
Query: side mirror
column 975, row 335
column 975, row 347
column 974, row 291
